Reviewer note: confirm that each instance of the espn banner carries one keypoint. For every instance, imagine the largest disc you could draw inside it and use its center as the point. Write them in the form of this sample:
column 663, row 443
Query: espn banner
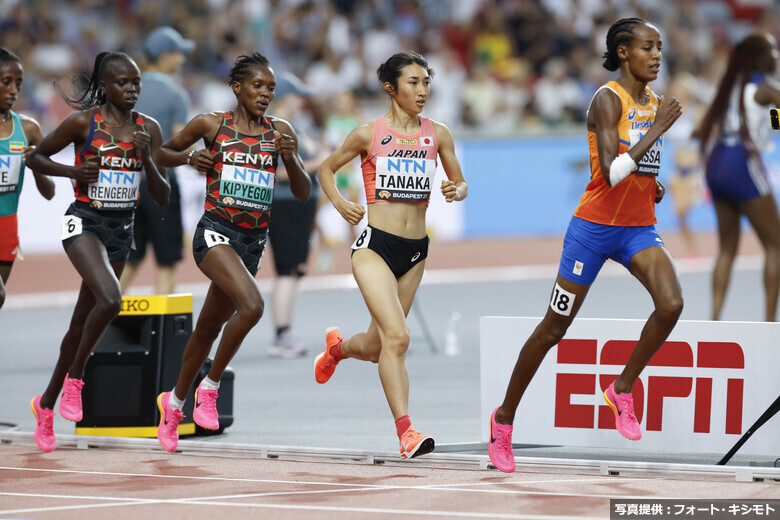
column 702, row 390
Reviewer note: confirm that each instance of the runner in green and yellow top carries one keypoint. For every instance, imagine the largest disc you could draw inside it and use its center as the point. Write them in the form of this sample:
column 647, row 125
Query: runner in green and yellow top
column 243, row 147
column 18, row 136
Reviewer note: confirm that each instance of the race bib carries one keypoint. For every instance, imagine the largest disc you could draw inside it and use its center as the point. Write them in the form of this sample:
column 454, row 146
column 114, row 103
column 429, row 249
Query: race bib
column 10, row 166
column 362, row 241
column 562, row 300
column 215, row 239
column 71, row 226
column 115, row 189
column 246, row 188
column 404, row 179
column 650, row 164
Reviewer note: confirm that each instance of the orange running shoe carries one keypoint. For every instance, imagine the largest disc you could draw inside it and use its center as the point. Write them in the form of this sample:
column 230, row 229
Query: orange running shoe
column 324, row 363
column 414, row 444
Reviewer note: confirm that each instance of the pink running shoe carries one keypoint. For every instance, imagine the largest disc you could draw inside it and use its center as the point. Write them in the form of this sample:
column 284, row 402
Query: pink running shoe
column 168, row 433
column 325, row 364
column 500, row 446
column 70, row 402
column 44, row 425
column 205, row 411
column 623, row 406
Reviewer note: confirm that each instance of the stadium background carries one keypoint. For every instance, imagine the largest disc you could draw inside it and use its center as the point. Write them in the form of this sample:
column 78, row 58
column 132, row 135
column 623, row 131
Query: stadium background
column 513, row 79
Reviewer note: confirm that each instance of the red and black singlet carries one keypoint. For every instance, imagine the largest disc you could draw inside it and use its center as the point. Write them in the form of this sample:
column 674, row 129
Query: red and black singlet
column 240, row 185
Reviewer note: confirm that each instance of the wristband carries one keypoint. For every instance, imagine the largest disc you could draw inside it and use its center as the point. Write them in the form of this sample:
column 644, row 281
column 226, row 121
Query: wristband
column 620, row 168
column 189, row 157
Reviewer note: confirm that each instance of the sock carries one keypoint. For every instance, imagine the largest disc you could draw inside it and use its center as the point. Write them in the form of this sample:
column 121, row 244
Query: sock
column 402, row 424
column 335, row 351
column 208, row 384
column 281, row 330
column 174, row 402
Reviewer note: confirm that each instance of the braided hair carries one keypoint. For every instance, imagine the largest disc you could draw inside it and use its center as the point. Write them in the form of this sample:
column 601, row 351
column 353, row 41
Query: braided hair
column 240, row 69
column 621, row 33
column 89, row 85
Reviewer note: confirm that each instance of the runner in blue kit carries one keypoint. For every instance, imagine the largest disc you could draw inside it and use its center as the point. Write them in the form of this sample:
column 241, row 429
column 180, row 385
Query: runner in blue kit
column 112, row 143
column 18, row 137
column 242, row 149
column 734, row 133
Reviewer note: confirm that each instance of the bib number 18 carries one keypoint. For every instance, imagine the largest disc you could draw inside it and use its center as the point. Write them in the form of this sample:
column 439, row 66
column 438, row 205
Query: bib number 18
column 562, row 301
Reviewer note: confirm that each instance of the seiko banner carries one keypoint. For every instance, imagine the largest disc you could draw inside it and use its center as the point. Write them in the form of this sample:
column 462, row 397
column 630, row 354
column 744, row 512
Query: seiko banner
column 701, row 391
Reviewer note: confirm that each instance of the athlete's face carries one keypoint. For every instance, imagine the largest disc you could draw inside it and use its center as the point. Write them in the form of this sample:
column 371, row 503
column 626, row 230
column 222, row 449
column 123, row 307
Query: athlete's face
column 256, row 91
column 414, row 87
column 643, row 54
column 121, row 84
column 11, row 77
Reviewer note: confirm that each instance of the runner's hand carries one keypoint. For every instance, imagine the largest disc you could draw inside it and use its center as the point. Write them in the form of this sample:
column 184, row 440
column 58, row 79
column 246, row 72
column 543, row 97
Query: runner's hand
column 660, row 191
column 141, row 142
column 449, row 190
column 202, row 160
column 351, row 212
column 87, row 172
column 285, row 145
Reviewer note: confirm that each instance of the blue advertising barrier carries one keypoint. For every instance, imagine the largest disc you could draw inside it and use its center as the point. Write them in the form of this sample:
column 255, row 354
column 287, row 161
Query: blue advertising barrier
column 530, row 186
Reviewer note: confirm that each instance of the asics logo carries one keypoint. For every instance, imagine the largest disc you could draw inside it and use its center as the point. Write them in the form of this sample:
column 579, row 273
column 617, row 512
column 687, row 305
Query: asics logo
column 416, row 256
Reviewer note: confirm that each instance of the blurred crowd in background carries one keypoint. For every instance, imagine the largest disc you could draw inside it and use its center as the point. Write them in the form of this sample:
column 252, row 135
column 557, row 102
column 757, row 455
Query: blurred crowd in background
column 502, row 66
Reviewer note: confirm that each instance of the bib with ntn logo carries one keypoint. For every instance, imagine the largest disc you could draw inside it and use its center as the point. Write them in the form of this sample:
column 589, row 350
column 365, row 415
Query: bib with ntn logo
column 240, row 185
column 119, row 178
column 12, row 167
column 401, row 167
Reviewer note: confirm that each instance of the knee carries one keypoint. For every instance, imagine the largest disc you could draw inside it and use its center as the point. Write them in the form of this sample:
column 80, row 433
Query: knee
column 671, row 308
column 396, row 342
column 252, row 310
column 109, row 304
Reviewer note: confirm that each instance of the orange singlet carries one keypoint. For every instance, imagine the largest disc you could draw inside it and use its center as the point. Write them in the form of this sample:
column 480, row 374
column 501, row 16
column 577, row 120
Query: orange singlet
column 631, row 202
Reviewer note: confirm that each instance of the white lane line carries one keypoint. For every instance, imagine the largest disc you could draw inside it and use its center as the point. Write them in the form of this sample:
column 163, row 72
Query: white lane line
column 527, row 482
column 375, row 510
column 356, row 487
column 120, row 502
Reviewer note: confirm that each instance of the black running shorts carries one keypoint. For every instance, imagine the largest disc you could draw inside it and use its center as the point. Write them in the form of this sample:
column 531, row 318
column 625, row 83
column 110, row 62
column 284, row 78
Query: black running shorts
column 213, row 231
column 399, row 253
column 113, row 228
